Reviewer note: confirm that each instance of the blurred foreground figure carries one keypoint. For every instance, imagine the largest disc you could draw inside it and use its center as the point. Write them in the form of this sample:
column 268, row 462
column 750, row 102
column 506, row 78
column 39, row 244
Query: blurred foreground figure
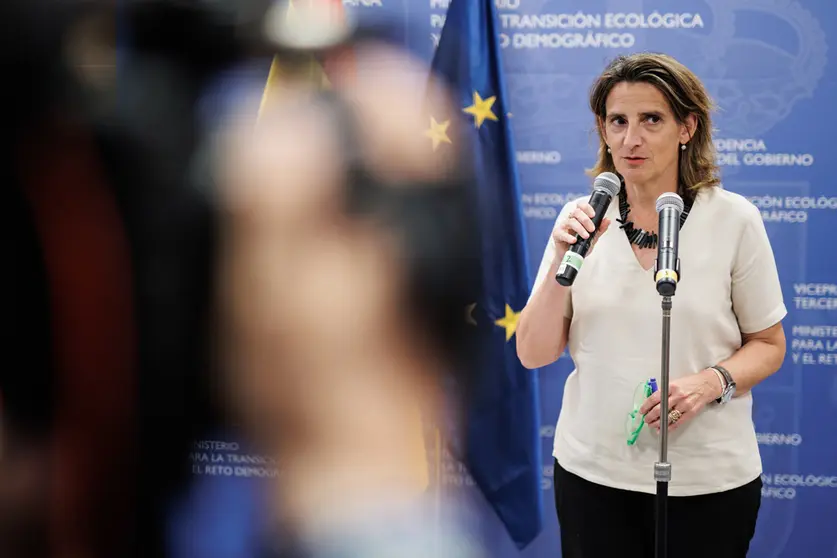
column 101, row 388
column 347, row 263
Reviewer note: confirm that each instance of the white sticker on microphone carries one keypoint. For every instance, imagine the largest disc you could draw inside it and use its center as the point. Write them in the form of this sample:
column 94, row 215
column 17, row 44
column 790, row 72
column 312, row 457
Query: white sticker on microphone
column 571, row 259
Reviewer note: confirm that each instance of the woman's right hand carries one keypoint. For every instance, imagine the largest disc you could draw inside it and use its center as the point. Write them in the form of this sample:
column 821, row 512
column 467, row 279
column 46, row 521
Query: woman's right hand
column 578, row 221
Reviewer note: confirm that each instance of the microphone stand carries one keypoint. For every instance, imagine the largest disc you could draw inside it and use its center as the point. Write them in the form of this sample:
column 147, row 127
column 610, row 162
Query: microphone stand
column 662, row 469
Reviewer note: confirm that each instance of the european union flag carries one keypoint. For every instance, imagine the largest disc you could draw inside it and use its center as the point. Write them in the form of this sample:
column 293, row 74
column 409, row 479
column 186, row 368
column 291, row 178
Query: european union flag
column 502, row 443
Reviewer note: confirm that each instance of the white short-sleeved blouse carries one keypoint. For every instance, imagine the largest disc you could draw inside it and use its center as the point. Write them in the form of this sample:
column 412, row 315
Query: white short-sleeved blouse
column 729, row 285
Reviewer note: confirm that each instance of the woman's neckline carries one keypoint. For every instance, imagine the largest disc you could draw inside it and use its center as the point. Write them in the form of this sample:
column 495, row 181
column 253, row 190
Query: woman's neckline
column 689, row 202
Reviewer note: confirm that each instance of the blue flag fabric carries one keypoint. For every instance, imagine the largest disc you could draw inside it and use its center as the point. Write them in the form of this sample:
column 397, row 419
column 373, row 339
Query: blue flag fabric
column 501, row 445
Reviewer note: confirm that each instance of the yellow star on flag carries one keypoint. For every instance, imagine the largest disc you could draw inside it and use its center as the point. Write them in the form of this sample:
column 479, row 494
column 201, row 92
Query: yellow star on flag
column 509, row 321
column 438, row 132
column 481, row 109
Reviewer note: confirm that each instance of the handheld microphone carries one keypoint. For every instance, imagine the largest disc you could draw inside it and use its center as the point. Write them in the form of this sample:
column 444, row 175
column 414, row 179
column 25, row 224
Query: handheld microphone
column 605, row 188
column 667, row 267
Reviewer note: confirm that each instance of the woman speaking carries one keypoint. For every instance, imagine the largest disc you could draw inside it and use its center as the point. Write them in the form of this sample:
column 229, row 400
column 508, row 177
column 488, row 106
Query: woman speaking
column 653, row 120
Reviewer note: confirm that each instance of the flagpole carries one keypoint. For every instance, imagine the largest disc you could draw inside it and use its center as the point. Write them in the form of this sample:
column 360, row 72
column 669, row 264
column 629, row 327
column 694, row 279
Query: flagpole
column 271, row 77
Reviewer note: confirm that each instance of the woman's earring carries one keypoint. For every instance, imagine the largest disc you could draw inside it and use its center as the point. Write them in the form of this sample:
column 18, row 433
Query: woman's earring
column 683, row 147
column 608, row 150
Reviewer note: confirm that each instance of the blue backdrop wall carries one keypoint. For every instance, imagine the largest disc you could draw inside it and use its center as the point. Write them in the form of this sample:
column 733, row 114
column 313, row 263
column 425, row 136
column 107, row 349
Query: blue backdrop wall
column 766, row 65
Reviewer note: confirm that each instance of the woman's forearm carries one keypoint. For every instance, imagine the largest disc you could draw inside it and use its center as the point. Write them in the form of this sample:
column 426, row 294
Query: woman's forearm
column 760, row 356
column 542, row 330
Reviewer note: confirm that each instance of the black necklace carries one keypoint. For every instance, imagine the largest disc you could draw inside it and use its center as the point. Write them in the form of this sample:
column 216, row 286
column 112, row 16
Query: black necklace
column 642, row 238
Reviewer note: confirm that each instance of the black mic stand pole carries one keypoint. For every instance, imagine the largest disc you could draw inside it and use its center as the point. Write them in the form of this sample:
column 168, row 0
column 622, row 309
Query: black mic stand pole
column 662, row 469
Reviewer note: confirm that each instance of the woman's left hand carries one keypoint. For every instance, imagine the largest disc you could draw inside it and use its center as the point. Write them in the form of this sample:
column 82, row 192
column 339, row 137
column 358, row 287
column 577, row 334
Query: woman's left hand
column 687, row 397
